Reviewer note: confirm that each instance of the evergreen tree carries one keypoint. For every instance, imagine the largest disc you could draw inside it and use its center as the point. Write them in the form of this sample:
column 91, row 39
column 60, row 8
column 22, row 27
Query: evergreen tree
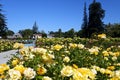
column 85, row 23
column 113, row 30
column 3, row 26
column 35, row 28
column 59, row 33
column 70, row 33
column 10, row 32
column 96, row 14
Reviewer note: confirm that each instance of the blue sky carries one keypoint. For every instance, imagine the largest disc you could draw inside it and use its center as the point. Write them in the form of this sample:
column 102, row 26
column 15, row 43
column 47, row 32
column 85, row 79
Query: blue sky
column 51, row 15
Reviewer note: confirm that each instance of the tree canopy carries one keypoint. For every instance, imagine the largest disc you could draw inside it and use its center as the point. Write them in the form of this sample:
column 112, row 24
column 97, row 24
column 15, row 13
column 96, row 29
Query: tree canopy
column 96, row 14
column 85, row 23
column 3, row 26
column 27, row 33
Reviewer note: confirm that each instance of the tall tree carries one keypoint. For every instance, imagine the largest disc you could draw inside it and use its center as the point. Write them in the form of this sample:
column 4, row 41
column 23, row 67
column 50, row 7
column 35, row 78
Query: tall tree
column 35, row 28
column 3, row 26
column 59, row 33
column 85, row 22
column 43, row 33
column 96, row 14
column 113, row 30
column 10, row 33
column 70, row 33
column 27, row 33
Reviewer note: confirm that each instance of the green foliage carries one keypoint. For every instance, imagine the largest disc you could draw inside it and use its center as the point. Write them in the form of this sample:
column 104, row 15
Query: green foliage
column 85, row 24
column 10, row 33
column 82, row 57
column 3, row 28
column 6, row 45
column 96, row 14
column 70, row 33
column 44, row 42
column 57, row 34
column 27, row 33
column 113, row 30
column 43, row 34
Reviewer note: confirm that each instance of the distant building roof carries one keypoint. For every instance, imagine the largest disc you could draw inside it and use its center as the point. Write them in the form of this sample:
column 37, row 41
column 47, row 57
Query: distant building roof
column 37, row 36
column 50, row 36
column 16, row 35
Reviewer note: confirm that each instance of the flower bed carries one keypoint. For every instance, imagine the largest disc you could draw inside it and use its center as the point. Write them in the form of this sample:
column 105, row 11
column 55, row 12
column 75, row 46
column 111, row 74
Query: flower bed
column 6, row 45
column 107, row 42
column 65, row 59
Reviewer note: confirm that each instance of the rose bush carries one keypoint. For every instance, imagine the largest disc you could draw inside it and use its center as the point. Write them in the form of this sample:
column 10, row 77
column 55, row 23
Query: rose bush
column 66, row 59
column 6, row 45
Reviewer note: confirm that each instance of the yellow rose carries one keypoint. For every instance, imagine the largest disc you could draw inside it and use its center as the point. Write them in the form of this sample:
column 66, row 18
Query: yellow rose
column 15, row 62
column 111, row 67
column 105, row 53
column 81, row 46
column 94, row 50
column 102, row 36
column 2, row 77
column 115, row 78
column 83, row 74
column 107, row 71
column 47, row 57
column 77, row 75
column 18, row 45
column 67, row 71
column 3, row 67
column 41, row 70
column 21, row 45
column 57, row 47
column 73, row 45
column 106, row 58
column 66, row 59
column 40, row 51
column 117, row 53
column 46, row 78
column 86, row 73
column 114, row 58
column 1, row 71
column 102, row 70
column 20, row 68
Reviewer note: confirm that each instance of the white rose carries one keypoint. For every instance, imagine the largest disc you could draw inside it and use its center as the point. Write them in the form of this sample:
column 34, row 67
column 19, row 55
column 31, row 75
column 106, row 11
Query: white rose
column 67, row 71
column 14, row 74
column 81, row 46
column 29, row 73
column 66, row 59
column 46, row 78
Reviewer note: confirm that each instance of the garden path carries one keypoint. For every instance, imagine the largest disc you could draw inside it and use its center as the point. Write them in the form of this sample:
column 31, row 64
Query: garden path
column 5, row 56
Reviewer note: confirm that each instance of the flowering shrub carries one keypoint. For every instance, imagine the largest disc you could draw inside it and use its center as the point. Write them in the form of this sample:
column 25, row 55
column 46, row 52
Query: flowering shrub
column 18, row 45
column 64, row 60
column 104, row 42
column 6, row 45
column 102, row 35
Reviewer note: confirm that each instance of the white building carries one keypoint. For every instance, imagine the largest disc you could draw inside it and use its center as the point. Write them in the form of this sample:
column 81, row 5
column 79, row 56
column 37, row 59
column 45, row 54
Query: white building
column 36, row 36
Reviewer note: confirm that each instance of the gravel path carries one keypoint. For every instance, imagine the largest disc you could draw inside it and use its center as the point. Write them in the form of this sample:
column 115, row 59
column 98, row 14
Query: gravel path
column 5, row 56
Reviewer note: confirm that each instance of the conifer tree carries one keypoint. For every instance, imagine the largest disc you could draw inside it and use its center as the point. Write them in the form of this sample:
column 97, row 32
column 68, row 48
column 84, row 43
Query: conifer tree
column 96, row 14
column 85, row 22
column 3, row 26
column 35, row 28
